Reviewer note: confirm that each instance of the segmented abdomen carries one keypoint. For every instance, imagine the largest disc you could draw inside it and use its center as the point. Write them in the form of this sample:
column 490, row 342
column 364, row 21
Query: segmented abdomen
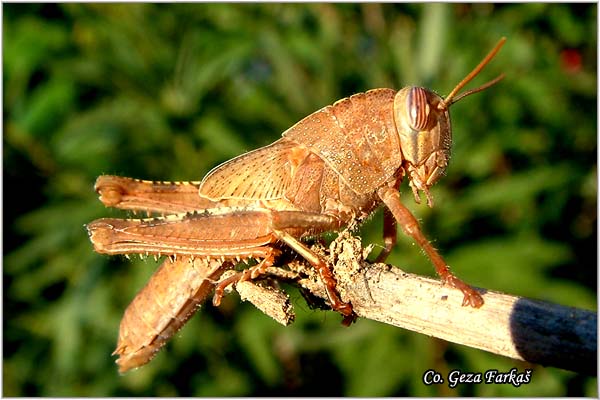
column 169, row 299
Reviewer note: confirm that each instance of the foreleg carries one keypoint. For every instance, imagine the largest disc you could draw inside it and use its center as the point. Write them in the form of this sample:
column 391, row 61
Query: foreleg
column 390, row 229
column 391, row 198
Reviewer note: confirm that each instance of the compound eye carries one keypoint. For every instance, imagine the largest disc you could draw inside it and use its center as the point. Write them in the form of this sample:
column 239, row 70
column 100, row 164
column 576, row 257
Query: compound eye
column 418, row 108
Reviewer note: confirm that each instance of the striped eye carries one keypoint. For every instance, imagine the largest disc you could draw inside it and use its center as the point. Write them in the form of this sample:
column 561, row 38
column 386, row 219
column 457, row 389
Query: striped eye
column 418, row 108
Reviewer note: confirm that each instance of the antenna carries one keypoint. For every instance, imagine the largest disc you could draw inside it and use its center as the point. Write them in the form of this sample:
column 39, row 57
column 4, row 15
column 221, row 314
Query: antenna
column 451, row 99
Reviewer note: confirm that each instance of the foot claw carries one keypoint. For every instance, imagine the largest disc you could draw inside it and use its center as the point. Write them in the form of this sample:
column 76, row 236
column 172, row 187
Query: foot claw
column 472, row 298
column 349, row 319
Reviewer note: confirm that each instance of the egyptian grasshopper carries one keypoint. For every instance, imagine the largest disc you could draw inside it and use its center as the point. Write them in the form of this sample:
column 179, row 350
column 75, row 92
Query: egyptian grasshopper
column 331, row 169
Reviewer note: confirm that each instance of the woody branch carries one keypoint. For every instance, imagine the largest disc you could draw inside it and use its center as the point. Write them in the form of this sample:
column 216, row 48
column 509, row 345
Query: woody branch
column 511, row 326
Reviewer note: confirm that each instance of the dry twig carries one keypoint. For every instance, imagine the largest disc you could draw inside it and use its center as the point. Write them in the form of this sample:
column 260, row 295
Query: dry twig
column 512, row 326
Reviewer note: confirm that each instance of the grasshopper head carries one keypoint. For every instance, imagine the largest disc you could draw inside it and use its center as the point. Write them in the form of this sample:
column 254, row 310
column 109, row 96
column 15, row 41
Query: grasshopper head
column 425, row 137
column 422, row 121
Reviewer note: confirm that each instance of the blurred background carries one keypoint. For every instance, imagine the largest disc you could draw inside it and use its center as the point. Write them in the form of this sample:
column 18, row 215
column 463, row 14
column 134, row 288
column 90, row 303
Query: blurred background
column 167, row 92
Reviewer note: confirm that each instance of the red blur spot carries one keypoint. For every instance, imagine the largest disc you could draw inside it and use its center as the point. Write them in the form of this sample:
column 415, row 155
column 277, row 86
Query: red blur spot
column 570, row 60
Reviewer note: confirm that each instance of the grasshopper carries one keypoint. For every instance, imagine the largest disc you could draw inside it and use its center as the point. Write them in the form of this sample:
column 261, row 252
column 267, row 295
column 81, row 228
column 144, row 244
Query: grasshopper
column 330, row 170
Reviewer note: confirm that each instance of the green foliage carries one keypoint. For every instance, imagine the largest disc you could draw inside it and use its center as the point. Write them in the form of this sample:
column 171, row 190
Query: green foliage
column 169, row 91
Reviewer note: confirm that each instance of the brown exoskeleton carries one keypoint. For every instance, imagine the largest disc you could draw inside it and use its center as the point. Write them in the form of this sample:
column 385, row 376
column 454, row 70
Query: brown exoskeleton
column 331, row 169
